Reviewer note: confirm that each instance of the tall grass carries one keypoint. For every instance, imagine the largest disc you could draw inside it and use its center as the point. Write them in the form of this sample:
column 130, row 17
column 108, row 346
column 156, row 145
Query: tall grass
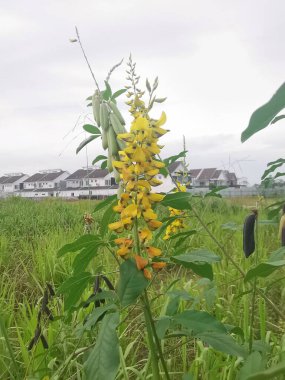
column 32, row 232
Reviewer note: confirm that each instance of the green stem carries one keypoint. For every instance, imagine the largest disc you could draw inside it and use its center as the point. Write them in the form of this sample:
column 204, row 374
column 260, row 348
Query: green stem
column 157, row 341
column 154, row 357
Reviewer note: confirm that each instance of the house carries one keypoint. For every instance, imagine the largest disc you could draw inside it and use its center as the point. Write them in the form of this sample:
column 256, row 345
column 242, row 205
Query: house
column 11, row 182
column 89, row 182
column 45, row 183
column 212, row 177
column 178, row 173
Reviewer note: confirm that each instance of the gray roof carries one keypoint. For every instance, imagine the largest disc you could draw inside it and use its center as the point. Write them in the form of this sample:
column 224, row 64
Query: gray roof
column 206, row 174
column 91, row 173
column 232, row 177
column 172, row 167
column 40, row 177
column 216, row 174
column 90, row 188
column 194, row 172
column 10, row 179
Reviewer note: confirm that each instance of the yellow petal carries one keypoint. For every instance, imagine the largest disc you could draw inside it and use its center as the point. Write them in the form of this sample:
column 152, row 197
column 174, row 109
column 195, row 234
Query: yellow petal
column 161, row 120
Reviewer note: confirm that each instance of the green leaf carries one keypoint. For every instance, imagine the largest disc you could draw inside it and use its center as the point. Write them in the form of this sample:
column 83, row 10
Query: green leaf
column 105, row 202
column 277, row 118
column 162, row 325
column 148, row 86
column 277, row 255
column 272, row 168
column 264, row 269
column 160, row 100
column 131, row 284
column 73, row 287
column 108, row 217
column 84, row 257
column 118, row 93
column 99, row 158
column 199, row 261
column 169, row 160
column 222, row 342
column 180, row 201
column 187, row 376
column 199, row 322
column 80, row 243
column 85, row 142
column 92, row 129
column 198, row 255
column 104, row 360
column 96, row 315
column 104, row 164
column 269, row 373
column 265, row 114
column 215, row 192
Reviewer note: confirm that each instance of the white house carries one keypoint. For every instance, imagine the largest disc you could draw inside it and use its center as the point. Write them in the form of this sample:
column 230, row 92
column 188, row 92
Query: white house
column 176, row 170
column 45, row 183
column 212, row 177
column 11, row 182
column 89, row 182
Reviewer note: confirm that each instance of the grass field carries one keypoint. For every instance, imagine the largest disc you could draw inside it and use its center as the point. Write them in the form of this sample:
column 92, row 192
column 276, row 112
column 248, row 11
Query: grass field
column 32, row 232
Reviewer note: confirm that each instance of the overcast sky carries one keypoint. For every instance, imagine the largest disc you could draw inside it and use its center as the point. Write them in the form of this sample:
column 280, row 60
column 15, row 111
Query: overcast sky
column 217, row 61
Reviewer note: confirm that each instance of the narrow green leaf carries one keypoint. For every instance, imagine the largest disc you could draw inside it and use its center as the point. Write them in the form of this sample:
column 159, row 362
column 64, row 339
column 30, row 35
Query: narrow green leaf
column 180, row 201
column 261, row 118
column 92, row 129
column 85, row 142
column 271, row 169
column 83, row 241
column 108, row 217
column 118, row 93
column 162, row 325
column 222, row 342
column 84, row 257
column 160, row 100
column 148, row 85
column 131, row 284
column 73, row 287
column 107, row 94
column 105, row 202
column 169, row 160
column 96, row 315
column 99, row 158
column 104, row 360
column 199, row 322
column 277, row 118
column 198, row 255
column 277, row 255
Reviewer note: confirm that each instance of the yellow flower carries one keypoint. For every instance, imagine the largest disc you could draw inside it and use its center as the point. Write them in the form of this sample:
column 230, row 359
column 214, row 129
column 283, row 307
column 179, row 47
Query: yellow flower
column 116, row 226
column 130, row 211
column 153, row 251
column 158, row 265
column 145, row 234
column 141, row 262
column 154, row 224
column 149, row 214
column 147, row 274
column 161, row 120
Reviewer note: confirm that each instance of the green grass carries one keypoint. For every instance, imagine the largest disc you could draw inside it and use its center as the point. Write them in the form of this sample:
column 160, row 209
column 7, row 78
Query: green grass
column 31, row 234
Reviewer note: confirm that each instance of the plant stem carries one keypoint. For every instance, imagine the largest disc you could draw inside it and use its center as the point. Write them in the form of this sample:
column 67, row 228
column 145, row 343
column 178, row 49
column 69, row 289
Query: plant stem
column 157, row 341
column 154, row 356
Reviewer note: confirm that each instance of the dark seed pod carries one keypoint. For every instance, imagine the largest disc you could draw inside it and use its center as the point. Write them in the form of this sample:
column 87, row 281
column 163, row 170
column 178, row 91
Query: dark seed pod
column 248, row 234
column 39, row 315
column 88, row 301
column 50, row 288
column 31, row 344
column 45, row 299
column 48, row 313
column 37, row 334
column 96, row 286
column 283, row 237
column 44, row 342
column 97, row 303
column 108, row 283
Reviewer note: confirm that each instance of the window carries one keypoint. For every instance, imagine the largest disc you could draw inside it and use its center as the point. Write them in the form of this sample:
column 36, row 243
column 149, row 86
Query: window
column 72, row 194
column 107, row 182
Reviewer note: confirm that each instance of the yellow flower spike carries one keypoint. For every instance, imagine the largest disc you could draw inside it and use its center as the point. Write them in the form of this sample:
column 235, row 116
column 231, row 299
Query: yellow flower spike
column 130, row 211
column 154, row 197
column 141, row 262
column 155, row 182
column 149, row 215
column 158, row 265
column 123, row 241
column 161, row 120
column 123, row 251
column 130, row 186
column 145, row 234
column 116, row 226
column 144, row 183
column 127, row 221
column 138, row 155
column 147, row 273
column 153, row 148
column 154, row 224
column 153, row 251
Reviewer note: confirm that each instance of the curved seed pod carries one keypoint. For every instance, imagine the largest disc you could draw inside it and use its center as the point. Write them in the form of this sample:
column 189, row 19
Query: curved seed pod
column 108, row 283
column 117, row 125
column 31, row 344
column 51, row 290
column 44, row 342
column 96, row 285
column 104, row 116
column 45, row 300
column 96, row 108
column 116, row 111
column 112, row 142
column 109, row 162
column 248, row 235
column 104, row 139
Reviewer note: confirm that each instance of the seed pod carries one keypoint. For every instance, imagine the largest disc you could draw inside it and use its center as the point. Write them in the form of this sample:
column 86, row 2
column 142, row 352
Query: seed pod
column 48, row 313
column 44, row 342
column 108, row 283
column 248, row 234
column 104, row 139
column 112, row 142
column 96, row 108
column 109, row 162
column 104, row 116
column 31, row 344
column 50, row 288
column 116, row 111
column 96, row 286
column 116, row 124
column 45, row 299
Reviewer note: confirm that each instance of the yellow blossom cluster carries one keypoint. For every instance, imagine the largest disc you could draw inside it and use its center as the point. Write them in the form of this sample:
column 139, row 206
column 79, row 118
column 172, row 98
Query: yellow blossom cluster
column 178, row 224
column 138, row 168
